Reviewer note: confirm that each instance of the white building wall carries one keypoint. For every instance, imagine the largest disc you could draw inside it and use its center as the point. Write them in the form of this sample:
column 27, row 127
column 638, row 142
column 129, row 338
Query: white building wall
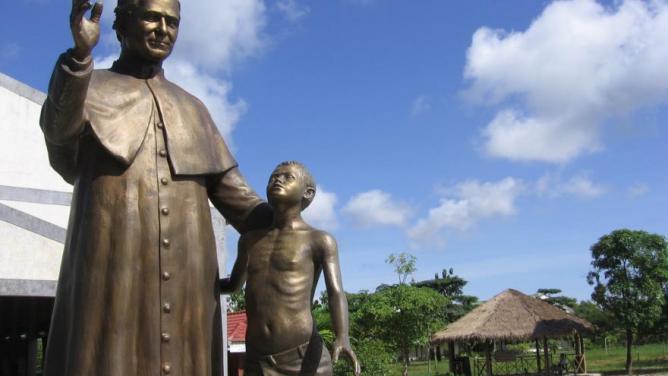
column 23, row 158
column 24, row 164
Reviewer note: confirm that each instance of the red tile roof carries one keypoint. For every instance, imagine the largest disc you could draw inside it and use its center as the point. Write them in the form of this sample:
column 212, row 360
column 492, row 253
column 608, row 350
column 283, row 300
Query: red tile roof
column 236, row 326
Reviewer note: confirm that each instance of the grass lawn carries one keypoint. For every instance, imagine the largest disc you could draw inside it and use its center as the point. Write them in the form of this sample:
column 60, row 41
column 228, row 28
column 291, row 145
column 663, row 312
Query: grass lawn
column 651, row 358
column 645, row 358
column 419, row 368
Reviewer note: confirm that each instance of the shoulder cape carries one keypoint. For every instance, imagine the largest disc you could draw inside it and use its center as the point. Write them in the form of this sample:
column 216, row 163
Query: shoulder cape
column 118, row 108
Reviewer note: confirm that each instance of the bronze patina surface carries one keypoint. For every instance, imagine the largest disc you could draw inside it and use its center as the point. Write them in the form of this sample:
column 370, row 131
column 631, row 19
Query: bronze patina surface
column 138, row 292
column 281, row 266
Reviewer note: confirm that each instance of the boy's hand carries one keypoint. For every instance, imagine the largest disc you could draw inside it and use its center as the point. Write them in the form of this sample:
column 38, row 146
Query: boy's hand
column 340, row 345
column 225, row 285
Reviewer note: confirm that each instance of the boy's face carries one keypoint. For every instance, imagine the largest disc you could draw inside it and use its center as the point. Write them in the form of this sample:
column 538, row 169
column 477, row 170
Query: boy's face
column 286, row 185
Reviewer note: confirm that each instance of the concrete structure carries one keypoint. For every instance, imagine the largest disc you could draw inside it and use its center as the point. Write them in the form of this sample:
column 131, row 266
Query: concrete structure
column 34, row 211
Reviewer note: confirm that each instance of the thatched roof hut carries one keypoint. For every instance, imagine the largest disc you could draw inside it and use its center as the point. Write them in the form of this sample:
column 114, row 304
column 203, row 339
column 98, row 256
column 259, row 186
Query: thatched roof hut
column 511, row 316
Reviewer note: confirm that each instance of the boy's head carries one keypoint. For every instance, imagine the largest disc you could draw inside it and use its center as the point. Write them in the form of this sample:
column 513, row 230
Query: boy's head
column 291, row 180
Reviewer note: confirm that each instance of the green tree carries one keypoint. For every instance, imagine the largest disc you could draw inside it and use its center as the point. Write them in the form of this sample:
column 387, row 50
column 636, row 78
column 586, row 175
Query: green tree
column 237, row 301
column 374, row 355
column 657, row 331
column 404, row 265
column 403, row 316
column 452, row 287
column 629, row 272
column 553, row 297
column 389, row 321
column 602, row 320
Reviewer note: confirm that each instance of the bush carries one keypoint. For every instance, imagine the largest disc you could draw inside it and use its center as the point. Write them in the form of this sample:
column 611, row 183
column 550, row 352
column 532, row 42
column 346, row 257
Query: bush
column 373, row 355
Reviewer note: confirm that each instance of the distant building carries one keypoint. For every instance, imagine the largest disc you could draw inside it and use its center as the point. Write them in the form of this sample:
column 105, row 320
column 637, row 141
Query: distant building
column 237, row 323
column 34, row 211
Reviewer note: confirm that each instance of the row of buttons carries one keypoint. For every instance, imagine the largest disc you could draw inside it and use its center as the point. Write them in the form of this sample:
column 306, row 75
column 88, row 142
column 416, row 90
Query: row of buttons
column 166, row 276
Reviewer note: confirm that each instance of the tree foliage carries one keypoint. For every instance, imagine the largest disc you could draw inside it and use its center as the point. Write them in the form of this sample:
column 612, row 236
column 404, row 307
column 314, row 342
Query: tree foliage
column 374, row 355
column 402, row 316
column 404, row 265
column 237, row 301
column 629, row 273
column 657, row 331
column 384, row 323
column 552, row 296
column 592, row 312
column 452, row 287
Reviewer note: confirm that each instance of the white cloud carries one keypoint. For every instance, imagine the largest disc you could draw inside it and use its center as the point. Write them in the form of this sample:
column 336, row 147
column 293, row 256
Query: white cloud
column 580, row 185
column 104, row 62
column 214, row 34
column 579, row 64
column 546, row 139
column 421, row 105
column 637, row 190
column 466, row 204
column 376, row 207
column 292, row 10
column 321, row 211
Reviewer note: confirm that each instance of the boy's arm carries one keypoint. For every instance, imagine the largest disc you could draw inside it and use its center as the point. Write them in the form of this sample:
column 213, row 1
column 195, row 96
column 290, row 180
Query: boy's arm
column 338, row 304
column 238, row 277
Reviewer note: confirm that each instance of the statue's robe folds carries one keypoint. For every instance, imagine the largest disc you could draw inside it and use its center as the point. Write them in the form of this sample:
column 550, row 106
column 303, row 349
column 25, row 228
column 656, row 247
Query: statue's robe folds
column 138, row 290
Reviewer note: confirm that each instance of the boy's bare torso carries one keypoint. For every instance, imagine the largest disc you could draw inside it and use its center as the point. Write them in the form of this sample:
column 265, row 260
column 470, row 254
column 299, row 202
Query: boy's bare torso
column 282, row 273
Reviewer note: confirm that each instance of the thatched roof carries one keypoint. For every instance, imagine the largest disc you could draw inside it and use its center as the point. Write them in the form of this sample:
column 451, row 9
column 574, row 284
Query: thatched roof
column 512, row 315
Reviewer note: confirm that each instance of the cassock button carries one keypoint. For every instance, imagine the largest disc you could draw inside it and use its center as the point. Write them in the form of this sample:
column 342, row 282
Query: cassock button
column 165, row 337
column 164, row 211
column 166, row 308
column 166, row 276
column 167, row 368
column 165, row 242
column 160, row 125
column 164, row 181
column 163, row 153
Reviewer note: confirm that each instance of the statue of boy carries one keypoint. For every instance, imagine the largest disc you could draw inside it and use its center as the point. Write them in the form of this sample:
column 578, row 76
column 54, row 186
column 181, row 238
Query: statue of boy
column 281, row 266
column 138, row 291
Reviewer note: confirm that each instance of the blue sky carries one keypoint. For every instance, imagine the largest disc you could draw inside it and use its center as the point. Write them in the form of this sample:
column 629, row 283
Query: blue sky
column 501, row 139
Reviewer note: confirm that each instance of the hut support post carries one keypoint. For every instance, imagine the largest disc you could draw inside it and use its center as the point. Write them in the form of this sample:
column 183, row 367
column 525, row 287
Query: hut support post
column 451, row 356
column 429, row 360
column 546, row 354
column 488, row 358
column 538, row 357
column 582, row 363
column 580, row 360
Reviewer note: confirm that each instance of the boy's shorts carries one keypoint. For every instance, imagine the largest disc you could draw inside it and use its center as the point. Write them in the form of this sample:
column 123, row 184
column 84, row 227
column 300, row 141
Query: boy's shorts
column 309, row 359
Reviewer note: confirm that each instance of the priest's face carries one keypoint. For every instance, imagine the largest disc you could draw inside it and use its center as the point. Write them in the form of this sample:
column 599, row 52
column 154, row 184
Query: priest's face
column 151, row 30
